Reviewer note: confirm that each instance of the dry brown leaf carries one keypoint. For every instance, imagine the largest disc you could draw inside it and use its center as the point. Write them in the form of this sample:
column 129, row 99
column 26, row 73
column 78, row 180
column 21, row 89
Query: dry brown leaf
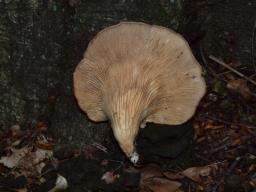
column 109, row 177
column 237, row 141
column 173, row 176
column 153, row 179
column 214, row 126
column 29, row 162
column 44, row 143
column 240, row 86
column 196, row 173
column 12, row 160
column 210, row 124
column 157, row 184
column 42, row 126
column 151, row 170
column 45, row 146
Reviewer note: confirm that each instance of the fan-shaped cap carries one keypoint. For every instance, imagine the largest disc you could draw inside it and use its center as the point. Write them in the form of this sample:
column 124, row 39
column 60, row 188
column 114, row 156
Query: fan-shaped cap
column 134, row 73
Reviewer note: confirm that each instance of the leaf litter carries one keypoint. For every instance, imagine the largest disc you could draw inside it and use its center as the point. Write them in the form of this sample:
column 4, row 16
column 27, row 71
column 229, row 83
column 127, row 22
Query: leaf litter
column 25, row 153
column 224, row 148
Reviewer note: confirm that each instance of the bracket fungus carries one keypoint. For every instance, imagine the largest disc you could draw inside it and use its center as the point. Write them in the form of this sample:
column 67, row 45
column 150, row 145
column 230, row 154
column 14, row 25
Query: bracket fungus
column 133, row 73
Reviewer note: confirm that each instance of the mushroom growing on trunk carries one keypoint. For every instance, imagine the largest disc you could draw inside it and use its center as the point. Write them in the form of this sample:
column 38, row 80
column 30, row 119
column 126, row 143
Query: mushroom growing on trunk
column 134, row 73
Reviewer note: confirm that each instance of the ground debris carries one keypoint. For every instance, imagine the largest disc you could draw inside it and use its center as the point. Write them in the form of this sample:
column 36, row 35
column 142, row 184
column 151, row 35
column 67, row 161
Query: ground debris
column 225, row 127
column 154, row 179
column 240, row 86
column 198, row 173
column 24, row 155
column 157, row 184
column 109, row 177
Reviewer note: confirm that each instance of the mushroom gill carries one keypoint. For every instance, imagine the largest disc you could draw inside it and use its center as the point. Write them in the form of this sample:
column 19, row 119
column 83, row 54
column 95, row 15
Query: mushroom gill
column 133, row 73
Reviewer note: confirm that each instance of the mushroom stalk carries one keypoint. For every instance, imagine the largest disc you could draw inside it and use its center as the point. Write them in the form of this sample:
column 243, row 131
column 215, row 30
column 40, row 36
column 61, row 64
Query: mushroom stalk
column 125, row 111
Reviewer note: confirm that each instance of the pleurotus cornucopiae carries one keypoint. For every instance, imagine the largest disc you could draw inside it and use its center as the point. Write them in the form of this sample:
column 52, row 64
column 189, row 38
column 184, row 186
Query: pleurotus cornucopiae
column 133, row 73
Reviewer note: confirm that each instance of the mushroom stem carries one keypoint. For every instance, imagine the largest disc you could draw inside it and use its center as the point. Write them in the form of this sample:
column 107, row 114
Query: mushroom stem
column 125, row 112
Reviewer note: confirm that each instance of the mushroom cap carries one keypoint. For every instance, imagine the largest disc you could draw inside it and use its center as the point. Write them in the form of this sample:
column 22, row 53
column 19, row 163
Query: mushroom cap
column 149, row 69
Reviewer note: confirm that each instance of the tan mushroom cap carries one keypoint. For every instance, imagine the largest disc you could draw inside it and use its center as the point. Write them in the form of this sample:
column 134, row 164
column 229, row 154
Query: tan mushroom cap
column 132, row 60
column 133, row 73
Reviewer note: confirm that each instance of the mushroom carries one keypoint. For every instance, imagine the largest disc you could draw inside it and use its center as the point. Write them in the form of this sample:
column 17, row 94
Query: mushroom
column 133, row 73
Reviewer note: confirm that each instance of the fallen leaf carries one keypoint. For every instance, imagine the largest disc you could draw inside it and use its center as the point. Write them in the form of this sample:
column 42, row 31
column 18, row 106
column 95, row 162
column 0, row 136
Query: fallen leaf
column 196, row 173
column 12, row 160
column 42, row 126
column 173, row 176
column 240, row 86
column 28, row 161
column 45, row 146
column 157, row 184
column 109, row 177
column 16, row 143
column 151, row 170
column 212, row 125
column 44, row 143
column 37, row 159
column 153, row 179
column 237, row 141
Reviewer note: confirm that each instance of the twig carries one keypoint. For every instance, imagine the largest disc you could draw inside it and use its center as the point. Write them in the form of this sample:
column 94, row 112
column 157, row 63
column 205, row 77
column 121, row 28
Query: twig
column 220, row 181
column 231, row 69
column 227, row 122
column 252, row 51
column 100, row 147
column 223, row 73
column 233, row 165
column 205, row 61
column 224, row 147
column 252, row 76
